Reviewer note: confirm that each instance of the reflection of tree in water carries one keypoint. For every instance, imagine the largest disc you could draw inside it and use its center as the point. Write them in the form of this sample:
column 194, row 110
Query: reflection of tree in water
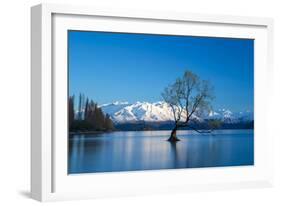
column 75, row 151
column 174, row 154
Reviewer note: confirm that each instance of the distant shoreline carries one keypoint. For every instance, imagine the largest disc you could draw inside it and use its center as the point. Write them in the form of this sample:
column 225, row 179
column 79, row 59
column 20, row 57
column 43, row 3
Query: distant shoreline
column 90, row 132
column 103, row 132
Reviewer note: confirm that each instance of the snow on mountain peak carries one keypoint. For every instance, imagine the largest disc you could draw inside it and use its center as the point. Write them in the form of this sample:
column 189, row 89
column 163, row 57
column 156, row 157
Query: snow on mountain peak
column 160, row 111
column 115, row 103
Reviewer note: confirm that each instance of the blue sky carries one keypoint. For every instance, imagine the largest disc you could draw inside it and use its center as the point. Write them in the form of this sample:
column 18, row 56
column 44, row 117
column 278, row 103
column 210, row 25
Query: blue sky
column 109, row 67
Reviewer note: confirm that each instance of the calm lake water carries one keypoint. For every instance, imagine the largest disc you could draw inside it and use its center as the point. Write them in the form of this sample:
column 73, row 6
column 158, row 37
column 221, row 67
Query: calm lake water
column 149, row 150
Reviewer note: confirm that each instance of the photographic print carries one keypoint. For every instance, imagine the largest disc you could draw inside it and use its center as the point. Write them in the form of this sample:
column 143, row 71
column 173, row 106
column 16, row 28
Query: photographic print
column 148, row 102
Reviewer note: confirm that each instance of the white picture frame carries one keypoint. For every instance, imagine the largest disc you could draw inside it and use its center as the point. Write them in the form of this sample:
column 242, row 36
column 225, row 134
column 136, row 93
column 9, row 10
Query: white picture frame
column 49, row 179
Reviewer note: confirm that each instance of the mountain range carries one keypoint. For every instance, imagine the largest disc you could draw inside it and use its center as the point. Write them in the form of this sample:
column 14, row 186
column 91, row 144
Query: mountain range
column 124, row 112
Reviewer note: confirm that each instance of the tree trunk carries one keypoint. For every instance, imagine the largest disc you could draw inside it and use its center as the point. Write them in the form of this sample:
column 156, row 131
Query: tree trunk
column 173, row 137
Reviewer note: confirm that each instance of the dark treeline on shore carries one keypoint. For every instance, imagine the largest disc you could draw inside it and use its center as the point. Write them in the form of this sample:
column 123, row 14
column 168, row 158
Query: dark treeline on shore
column 88, row 116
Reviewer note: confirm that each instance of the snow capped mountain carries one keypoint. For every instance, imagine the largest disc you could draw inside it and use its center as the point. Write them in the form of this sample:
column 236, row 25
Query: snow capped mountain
column 228, row 116
column 121, row 112
column 114, row 107
column 139, row 111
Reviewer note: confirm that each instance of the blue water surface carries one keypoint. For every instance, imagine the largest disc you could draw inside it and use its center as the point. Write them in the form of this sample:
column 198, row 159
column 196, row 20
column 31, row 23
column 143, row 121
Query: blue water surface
column 149, row 150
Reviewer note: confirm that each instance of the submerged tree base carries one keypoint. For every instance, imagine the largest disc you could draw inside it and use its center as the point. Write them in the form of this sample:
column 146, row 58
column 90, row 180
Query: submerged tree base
column 173, row 139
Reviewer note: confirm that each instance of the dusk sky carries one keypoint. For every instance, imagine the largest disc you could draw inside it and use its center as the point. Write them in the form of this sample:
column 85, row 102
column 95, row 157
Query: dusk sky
column 110, row 67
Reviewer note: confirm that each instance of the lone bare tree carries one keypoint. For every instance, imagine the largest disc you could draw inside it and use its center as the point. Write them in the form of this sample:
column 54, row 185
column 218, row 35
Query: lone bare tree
column 188, row 96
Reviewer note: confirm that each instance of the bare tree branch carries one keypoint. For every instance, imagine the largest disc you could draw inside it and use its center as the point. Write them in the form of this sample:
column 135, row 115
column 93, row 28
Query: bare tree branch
column 200, row 131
